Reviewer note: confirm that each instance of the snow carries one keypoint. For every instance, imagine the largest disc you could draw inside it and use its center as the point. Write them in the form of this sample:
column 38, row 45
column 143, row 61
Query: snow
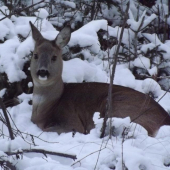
column 152, row 38
column 142, row 62
column 142, row 23
column 4, row 31
column 115, row 32
column 146, row 47
column 87, row 35
column 121, row 79
column 150, row 85
column 8, row 55
column 87, row 72
column 41, row 13
column 7, row 29
column 4, row 10
column 139, row 150
column 136, row 149
column 153, row 71
column 2, row 92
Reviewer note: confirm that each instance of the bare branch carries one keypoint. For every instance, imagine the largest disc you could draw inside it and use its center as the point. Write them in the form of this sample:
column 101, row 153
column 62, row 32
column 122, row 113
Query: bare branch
column 43, row 152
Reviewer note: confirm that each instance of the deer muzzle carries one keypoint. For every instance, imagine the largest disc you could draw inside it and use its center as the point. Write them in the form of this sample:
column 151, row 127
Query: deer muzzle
column 43, row 74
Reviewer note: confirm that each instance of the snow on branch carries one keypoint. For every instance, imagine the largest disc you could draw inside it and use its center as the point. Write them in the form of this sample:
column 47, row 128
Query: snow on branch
column 143, row 22
column 87, row 35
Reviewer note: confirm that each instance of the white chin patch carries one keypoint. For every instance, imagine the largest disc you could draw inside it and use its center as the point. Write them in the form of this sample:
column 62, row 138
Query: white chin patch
column 42, row 78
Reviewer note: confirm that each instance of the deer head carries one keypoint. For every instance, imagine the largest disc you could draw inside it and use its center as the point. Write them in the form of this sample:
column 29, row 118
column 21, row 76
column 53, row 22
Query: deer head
column 46, row 62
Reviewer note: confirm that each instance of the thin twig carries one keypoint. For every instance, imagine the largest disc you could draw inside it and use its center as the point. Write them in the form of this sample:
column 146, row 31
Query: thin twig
column 162, row 96
column 99, row 154
column 87, row 156
column 7, row 119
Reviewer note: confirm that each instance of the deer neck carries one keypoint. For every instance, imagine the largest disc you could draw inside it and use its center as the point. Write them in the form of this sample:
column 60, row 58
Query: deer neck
column 44, row 99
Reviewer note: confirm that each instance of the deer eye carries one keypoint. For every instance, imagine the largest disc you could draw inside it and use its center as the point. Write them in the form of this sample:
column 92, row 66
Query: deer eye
column 36, row 56
column 54, row 58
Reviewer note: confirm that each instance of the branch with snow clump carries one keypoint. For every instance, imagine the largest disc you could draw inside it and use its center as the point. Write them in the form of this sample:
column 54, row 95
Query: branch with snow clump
column 143, row 22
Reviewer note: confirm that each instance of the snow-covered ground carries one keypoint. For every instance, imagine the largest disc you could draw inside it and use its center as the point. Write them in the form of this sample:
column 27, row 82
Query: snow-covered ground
column 136, row 150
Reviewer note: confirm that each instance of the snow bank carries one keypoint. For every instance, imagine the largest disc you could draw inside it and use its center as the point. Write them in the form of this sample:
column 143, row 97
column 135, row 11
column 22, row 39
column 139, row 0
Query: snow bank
column 139, row 150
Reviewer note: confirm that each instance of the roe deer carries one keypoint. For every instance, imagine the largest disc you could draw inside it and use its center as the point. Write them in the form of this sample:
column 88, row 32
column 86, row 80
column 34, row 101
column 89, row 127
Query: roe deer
column 63, row 107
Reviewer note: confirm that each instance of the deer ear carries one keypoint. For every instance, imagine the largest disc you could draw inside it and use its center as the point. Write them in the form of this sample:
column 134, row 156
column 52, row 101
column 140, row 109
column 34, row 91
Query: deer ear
column 35, row 33
column 63, row 37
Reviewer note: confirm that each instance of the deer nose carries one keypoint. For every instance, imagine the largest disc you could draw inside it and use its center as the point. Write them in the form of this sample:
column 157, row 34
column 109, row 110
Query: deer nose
column 43, row 73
